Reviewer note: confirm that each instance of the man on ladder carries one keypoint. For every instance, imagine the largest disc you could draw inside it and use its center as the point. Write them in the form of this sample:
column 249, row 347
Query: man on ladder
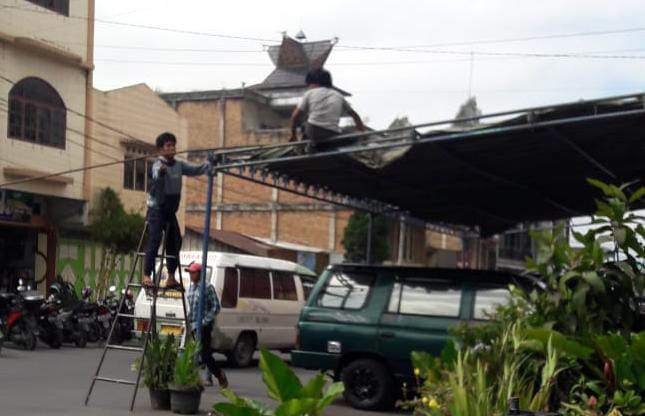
column 163, row 202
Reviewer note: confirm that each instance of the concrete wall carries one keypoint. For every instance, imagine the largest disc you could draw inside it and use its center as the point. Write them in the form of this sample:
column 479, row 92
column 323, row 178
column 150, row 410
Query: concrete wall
column 25, row 19
column 20, row 59
column 136, row 112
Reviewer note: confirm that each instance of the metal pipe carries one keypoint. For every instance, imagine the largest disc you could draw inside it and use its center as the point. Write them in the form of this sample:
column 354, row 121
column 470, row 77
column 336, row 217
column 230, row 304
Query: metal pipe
column 431, row 139
column 441, row 122
column 368, row 256
column 207, row 228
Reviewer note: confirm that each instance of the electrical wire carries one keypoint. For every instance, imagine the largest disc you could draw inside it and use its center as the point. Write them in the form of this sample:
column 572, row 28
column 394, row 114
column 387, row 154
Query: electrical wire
column 415, row 48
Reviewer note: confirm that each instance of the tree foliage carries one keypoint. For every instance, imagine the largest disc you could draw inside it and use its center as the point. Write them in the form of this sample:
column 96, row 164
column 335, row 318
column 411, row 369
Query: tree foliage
column 355, row 238
column 116, row 230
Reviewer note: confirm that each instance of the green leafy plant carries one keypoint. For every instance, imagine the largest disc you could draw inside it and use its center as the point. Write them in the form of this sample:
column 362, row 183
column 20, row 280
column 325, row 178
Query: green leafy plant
column 355, row 238
column 294, row 398
column 186, row 374
column 159, row 362
column 569, row 345
column 480, row 381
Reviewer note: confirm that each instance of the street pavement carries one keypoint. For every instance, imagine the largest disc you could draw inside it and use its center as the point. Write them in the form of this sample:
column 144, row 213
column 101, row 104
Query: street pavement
column 55, row 382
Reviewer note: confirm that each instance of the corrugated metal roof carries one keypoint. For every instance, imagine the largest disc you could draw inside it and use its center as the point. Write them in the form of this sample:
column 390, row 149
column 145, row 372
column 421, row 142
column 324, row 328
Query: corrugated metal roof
column 533, row 167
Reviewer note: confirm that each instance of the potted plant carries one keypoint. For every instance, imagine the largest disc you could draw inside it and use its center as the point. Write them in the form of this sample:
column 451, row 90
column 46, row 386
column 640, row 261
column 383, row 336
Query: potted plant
column 158, row 370
column 186, row 388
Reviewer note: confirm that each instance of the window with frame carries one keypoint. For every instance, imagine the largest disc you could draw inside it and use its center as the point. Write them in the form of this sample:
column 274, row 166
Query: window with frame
column 420, row 297
column 255, row 283
column 488, row 299
column 346, row 290
column 137, row 173
column 284, row 286
column 58, row 6
column 229, row 292
column 37, row 113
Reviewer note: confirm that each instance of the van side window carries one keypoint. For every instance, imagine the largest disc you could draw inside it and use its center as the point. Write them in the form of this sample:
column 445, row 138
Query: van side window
column 255, row 283
column 414, row 297
column 346, row 291
column 487, row 299
column 229, row 292
column 284, row 286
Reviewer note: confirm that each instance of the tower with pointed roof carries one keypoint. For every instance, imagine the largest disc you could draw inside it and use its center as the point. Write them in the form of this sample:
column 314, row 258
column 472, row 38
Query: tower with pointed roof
column 293, row 58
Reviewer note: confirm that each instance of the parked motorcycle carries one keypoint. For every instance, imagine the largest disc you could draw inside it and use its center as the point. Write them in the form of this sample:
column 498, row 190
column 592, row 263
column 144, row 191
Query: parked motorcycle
column 74, row 320
column 100, row 316
column 16, row 324
column 124, row 326
column 50, row 326
column 41, row 316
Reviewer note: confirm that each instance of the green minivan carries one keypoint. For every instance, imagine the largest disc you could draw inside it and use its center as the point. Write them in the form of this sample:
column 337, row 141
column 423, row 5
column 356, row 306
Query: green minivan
column 362, row 322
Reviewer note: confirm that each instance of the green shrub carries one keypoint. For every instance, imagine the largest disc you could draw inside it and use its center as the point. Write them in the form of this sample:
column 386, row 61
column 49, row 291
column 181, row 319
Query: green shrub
column 186, row 371
column 294, row 398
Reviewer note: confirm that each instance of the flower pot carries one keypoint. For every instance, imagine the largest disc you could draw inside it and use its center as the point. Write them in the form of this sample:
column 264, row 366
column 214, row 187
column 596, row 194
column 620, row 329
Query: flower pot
column 185, row 400
column 160, row 399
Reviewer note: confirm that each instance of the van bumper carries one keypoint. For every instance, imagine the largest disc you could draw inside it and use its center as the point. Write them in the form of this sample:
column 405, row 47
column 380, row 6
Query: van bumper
column 314, row 360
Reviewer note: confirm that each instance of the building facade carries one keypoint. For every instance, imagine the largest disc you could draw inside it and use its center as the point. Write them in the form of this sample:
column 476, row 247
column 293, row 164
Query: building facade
column 46, row 62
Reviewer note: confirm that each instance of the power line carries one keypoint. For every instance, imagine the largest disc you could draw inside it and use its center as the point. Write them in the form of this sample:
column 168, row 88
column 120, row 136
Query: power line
column 151, row 27
column 506, row 40
column 413, row 48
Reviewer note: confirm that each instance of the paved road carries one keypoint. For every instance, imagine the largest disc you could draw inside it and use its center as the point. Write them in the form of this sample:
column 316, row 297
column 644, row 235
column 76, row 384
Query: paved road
column 54, row 382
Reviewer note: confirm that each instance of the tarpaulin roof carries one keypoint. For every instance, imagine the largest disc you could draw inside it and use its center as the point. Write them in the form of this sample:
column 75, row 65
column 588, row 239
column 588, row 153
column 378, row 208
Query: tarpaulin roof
column 531, row 167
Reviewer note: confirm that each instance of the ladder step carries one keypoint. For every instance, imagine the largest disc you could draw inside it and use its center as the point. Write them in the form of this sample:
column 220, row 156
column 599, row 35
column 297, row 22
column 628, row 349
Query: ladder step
column 147, row 318
column 115, row 380
column 123, row 348
column 167, row 256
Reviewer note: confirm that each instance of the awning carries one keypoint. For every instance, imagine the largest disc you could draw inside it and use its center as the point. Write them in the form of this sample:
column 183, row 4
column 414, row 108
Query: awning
column 531, row 167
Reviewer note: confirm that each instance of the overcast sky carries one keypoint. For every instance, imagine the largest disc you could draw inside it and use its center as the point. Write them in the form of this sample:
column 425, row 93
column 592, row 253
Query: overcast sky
column 426, row 84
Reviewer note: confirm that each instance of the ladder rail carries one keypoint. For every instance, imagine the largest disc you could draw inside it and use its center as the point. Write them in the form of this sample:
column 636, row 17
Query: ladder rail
column 151, row 329
column 116, row 318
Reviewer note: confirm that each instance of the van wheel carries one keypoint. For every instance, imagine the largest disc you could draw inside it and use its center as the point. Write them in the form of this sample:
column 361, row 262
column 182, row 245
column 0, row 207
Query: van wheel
column 368, row 384
column 242, row 353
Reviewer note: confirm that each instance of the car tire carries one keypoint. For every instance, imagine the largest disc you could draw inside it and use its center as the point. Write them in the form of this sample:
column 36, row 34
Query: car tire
column 242, row 353
column 368, row 384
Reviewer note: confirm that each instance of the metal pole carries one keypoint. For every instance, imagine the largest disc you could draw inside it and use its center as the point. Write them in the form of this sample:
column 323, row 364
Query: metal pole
column 207, row 227
column 369, row 239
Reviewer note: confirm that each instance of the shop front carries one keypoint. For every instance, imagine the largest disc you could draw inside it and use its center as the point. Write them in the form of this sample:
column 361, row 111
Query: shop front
column 27, row 241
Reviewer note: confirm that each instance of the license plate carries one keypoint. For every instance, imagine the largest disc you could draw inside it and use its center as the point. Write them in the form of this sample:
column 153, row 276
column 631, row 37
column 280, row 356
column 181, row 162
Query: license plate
column 171, row 330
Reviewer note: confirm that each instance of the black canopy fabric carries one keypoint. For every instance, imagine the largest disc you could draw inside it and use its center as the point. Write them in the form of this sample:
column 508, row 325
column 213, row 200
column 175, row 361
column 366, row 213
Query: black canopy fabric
column 533, row 167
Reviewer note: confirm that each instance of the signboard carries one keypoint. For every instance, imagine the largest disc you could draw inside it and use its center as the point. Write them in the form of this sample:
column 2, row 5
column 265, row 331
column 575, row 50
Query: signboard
column 16, row 206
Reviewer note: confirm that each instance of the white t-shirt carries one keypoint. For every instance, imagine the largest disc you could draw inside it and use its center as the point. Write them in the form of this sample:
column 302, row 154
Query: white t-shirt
column 324, row 107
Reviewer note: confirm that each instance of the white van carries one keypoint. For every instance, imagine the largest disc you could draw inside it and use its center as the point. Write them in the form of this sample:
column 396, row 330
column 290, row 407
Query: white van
column 261, row 299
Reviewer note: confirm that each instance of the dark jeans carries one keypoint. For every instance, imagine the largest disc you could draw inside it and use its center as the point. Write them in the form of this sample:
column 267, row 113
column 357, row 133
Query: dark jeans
column 159, row 221
column 207, row 350
column 318, row 135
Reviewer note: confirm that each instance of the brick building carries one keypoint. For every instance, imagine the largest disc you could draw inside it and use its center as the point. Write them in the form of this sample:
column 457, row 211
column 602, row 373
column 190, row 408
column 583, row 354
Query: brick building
column 256, row 115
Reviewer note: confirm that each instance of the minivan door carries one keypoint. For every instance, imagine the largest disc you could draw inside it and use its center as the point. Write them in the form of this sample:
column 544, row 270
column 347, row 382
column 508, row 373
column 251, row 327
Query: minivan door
column 418, row 317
